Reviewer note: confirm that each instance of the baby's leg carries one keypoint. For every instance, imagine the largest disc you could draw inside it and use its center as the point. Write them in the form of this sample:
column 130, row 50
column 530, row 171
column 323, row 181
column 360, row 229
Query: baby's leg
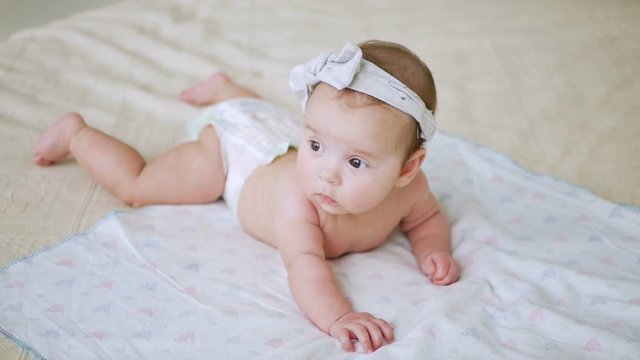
column 217, row 88
column 192, row 172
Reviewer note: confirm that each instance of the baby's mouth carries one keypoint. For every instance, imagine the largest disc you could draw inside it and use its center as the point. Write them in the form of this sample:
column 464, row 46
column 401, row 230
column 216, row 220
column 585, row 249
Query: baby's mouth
column 326, row 199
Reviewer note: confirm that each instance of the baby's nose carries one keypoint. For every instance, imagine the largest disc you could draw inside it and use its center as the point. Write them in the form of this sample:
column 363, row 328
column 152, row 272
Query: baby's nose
column 330, row 176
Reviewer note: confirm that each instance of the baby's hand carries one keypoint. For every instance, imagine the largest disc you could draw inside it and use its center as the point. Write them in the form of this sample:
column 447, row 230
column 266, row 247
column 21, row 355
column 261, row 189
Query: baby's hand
column 440, row 268
column 368, row 330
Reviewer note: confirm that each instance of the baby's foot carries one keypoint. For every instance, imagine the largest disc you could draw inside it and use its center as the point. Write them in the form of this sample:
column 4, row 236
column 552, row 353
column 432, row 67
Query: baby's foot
column 53, row 144
column 206, row 92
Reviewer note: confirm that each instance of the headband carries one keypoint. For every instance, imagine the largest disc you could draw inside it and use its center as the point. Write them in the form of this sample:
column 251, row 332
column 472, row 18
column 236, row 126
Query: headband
column 349, row 70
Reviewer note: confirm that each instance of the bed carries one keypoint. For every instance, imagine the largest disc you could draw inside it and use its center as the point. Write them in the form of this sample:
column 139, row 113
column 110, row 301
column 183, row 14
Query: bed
column 536, row 163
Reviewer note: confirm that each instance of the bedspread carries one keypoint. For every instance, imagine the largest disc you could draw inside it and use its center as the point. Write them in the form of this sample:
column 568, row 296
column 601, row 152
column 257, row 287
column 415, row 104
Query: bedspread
column 550, row 271
column 551, row 84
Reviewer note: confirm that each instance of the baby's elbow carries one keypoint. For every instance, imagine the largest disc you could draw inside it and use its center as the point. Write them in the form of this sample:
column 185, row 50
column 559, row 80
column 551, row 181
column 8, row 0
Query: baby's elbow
column 303, row 260
column 427, row 226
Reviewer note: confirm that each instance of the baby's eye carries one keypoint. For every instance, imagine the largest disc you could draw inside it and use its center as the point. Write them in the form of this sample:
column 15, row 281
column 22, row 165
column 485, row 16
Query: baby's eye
column 356, row 163
column 314, row 145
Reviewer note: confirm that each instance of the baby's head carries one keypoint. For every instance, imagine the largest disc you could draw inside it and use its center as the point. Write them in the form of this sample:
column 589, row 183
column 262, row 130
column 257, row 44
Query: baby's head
column 367, row 113
column 376, row 73
column 401, row 63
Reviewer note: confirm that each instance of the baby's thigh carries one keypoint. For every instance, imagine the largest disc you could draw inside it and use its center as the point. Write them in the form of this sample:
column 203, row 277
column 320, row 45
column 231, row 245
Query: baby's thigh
column 190, row 173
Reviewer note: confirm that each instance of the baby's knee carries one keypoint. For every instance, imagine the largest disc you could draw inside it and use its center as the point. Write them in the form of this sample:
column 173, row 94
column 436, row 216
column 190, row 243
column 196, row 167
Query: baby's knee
column 136, row 203
column 137, row 199
column 129, row 196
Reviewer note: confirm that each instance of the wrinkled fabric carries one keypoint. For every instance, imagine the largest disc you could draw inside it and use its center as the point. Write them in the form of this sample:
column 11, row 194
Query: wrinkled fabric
column 548, row 271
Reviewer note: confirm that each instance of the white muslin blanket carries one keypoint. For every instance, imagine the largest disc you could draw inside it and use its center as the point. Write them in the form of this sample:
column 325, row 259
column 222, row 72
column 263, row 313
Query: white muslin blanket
column 549, row 271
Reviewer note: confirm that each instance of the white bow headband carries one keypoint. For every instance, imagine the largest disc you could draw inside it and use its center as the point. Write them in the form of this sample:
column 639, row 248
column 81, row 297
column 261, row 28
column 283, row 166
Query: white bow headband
column 349, row 70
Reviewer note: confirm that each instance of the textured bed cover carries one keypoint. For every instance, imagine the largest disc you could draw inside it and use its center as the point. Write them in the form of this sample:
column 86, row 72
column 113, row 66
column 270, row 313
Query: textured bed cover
column 554, row 85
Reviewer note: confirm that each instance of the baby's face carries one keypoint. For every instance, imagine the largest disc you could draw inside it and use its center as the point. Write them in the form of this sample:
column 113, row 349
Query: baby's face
column 349, row 157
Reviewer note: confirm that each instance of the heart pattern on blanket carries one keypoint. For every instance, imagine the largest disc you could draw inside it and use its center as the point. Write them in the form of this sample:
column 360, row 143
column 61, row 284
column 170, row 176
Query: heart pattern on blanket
column 197, row 286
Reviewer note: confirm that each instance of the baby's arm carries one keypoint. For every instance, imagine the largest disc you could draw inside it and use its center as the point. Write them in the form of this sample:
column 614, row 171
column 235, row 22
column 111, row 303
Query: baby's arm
column 314, row 289
column 428, row 231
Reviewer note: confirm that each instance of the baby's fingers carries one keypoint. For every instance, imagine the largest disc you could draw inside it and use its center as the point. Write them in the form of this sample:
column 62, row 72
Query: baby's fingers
column 428, row 267
column 376, row 334
column 362, row 334
column 452, row 275
column 369, row 331
column 344, row 336
column 442, row 269
column 387, row 330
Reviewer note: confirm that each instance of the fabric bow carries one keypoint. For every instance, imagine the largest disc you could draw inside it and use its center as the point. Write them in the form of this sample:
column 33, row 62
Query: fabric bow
column 337, row 70
column 348, row 69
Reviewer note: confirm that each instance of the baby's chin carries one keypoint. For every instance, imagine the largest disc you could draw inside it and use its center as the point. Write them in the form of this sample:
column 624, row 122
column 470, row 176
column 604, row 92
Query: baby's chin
column 327, row 205
column 336, row 209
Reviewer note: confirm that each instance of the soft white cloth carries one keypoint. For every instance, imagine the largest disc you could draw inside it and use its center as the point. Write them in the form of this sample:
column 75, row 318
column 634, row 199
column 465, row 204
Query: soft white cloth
column 252, row 133
column 549, row 271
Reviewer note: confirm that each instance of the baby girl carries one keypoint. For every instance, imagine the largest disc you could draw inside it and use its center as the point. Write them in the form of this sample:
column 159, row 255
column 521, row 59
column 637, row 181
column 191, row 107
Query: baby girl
column 340, row 182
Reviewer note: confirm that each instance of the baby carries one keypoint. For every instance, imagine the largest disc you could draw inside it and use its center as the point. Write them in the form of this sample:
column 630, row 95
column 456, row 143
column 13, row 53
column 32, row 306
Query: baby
column 340, row 183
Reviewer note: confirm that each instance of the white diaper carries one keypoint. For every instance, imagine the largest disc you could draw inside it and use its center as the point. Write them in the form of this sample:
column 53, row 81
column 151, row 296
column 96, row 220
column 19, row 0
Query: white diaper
column 252, row 133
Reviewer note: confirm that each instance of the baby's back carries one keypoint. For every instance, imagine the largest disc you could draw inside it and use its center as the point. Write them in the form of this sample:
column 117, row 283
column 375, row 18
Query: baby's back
column 261, row 191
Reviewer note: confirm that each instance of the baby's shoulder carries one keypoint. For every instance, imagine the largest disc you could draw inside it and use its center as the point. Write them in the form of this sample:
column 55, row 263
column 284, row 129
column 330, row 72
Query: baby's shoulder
column 417, row 197
column 418, row 188
column 293, row 204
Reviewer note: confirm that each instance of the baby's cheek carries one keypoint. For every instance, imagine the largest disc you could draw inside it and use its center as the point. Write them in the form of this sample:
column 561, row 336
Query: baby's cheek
column 367, row 196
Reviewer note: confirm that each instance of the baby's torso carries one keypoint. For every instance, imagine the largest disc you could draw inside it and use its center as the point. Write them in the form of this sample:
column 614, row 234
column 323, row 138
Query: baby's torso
column 341, row 234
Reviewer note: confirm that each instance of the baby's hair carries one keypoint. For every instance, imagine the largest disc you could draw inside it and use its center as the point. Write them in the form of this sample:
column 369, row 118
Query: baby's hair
column 405, row 66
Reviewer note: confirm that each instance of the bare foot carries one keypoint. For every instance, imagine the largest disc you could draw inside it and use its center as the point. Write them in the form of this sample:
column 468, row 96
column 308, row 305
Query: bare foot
column 205, row 92
column 217, row 88
column 53, row 144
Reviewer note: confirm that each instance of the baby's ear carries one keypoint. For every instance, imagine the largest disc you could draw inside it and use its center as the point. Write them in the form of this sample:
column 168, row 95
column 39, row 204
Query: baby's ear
column 411, row 167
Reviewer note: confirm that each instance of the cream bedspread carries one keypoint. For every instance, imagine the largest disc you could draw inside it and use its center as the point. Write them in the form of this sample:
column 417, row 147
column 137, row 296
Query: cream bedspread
column 552, row 84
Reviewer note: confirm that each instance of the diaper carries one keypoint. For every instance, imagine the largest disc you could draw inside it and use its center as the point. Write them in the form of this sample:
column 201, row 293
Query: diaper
column 252, row 133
